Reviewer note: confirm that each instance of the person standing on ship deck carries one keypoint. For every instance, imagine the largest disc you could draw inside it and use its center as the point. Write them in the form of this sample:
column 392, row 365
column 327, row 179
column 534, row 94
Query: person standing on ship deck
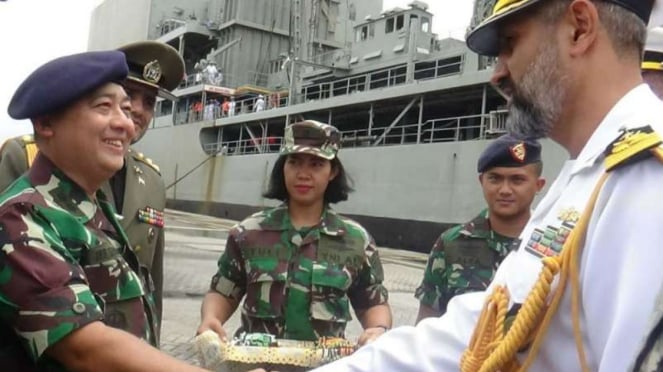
column 465, row 257
column 300, row 265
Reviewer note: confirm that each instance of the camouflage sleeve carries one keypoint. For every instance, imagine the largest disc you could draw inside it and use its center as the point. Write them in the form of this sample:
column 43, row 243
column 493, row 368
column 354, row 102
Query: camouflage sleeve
column 13, row 162
column 230, row 278
column 367, row 290
column 44, row 296
column 432, row 291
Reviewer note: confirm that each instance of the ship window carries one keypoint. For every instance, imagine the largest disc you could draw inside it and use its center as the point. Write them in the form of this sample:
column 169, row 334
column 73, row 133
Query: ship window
column 425, row 24
column 389, row 27
column 400, row 22
column 275, row 66
column 361, row 33
column 371, row 30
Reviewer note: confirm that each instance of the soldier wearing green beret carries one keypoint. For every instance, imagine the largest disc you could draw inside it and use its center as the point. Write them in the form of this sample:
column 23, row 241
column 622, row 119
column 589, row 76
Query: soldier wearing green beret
column 137, row 190
column 301, row 265
column 465, row 257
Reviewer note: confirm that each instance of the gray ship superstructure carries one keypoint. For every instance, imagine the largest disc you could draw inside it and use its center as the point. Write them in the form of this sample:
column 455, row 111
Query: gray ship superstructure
column 415, row 111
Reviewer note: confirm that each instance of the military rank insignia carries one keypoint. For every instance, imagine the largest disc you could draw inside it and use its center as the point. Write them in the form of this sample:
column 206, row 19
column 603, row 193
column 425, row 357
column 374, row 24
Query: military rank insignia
column 151, row 216
column 518, row 152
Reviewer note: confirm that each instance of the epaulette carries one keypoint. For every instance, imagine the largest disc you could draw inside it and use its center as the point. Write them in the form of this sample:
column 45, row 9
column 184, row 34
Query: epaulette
column 28, row 139
column 30, row 147
column 632, row 146
column 144, row 159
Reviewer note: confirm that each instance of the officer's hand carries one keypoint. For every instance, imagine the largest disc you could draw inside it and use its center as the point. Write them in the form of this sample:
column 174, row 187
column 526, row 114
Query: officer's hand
column 215, row 325
column 370, row 334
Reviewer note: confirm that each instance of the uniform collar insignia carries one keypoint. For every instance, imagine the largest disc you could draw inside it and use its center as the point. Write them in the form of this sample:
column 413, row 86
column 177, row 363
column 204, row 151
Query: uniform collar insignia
column 570, row 215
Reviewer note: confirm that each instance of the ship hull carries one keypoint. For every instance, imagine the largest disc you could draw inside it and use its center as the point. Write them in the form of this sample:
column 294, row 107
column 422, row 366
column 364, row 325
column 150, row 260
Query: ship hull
column 405, row 195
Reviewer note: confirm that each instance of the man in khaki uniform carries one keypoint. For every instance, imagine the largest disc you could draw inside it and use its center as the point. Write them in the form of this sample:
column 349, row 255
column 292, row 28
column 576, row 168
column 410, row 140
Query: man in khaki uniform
column 137, row 191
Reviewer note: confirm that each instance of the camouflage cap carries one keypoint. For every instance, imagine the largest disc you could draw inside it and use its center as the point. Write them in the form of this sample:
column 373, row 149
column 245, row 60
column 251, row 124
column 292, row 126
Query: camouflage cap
column 653, row 59
column 509, row 151
column 154, row 64
column 312, row 137
column 484, row 38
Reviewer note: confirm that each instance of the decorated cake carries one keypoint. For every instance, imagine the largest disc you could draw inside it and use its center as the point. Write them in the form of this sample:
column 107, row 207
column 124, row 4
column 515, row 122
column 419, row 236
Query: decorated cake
column 260, row 350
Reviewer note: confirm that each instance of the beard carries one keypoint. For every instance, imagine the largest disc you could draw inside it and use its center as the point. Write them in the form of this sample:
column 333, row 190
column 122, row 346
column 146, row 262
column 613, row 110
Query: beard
column 537, row 101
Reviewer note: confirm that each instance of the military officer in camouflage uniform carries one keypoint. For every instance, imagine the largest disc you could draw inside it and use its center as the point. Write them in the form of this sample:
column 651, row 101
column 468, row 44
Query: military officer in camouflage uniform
column 137, row 190
column 300, row 265
column 465, row 257
column 72, row 296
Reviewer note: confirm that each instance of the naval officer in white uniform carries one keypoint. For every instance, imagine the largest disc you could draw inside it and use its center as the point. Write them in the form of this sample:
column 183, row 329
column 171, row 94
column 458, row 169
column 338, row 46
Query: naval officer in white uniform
column 572, row 71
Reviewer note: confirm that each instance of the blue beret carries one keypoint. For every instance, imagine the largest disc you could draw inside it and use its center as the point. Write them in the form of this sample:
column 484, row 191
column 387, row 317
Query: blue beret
column 509, row 151
column 64, row 80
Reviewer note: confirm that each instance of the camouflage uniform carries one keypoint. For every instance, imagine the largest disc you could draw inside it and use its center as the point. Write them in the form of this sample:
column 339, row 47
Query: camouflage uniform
column 143, row 195
column 463, row 259
column 64, row 264
column 298, row 284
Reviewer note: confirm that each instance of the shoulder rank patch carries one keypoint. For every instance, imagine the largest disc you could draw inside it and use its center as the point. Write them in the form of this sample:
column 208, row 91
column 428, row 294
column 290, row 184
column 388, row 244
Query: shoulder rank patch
column 151, row 216
column 28, row 139
column 632, row 146
column 143, row 159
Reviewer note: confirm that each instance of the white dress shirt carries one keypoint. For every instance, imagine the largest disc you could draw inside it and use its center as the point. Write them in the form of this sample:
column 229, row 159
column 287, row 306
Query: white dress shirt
column 621, row 266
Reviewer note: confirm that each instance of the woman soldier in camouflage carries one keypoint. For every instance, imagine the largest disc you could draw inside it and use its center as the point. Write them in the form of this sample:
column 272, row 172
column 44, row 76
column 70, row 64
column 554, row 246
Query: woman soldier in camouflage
column 300, row 265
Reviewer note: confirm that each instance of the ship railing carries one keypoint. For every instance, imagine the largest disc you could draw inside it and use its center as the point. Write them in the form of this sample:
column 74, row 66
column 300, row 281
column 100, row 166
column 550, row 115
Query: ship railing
column 169, row 25
column 451, row 129
column 497, row 122
column 384, row 78
column 214, row 110
column 195, row 78
column 439, row 70
column 459, row 128
column 262, row 145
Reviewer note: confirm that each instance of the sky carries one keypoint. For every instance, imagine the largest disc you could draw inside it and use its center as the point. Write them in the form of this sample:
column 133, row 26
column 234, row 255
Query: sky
column 36, row 31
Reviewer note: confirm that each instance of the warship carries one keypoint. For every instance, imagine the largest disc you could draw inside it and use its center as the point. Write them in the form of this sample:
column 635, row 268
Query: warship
column 415, row 110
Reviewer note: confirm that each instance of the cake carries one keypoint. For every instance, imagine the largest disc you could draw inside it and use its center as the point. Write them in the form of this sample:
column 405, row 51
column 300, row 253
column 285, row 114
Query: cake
column 260, row 350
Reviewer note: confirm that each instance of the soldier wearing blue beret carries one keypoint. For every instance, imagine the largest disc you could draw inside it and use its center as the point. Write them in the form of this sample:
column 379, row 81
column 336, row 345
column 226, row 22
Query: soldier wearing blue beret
column 570, row 297
column 465, row 257
column 72, row 294
column 137, row 190
column 510, row 151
